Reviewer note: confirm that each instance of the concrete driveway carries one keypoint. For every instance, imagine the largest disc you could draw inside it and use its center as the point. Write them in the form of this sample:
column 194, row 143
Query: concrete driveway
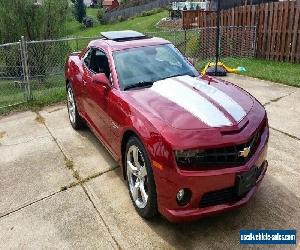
column 61, row 189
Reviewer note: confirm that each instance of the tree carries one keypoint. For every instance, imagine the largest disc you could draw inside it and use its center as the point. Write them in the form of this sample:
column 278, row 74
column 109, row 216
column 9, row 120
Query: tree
column 79, row 10
column 34, row 21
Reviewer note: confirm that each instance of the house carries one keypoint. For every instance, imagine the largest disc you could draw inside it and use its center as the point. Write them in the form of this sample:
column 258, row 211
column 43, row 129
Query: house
column 188, row 5
column 110, row 4
column 212, row 4
column 234, row 3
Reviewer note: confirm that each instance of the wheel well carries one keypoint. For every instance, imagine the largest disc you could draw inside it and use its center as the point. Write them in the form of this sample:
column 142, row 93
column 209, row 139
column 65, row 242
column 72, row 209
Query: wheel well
column 125, row 139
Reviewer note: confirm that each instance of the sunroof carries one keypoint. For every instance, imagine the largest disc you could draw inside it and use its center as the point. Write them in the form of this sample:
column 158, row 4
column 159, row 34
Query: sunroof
column 123, row 35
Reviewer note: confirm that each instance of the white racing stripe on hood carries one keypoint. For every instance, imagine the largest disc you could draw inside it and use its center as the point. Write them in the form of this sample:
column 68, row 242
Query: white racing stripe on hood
column 192, row 102
column 225, row 101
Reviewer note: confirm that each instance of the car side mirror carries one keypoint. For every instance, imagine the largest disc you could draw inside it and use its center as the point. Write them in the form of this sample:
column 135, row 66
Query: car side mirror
column 101, row 79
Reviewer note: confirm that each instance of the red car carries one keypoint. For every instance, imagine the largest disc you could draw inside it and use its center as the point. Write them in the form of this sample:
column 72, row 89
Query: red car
column 189, row 146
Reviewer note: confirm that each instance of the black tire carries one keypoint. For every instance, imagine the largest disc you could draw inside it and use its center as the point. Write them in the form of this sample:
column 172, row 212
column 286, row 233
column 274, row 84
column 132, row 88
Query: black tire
column 76, row 122
column 150, row 210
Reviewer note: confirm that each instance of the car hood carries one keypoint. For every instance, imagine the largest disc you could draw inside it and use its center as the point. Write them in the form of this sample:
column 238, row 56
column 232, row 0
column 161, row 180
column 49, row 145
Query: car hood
column 187, row 102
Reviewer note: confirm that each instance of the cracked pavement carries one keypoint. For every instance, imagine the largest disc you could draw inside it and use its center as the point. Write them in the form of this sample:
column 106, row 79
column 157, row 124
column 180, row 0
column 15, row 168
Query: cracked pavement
column 61, row 188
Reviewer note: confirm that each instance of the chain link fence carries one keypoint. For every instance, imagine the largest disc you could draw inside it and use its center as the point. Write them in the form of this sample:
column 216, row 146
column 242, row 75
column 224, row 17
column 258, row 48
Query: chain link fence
column 237, row 44
column 12, row 87
column 34, row 70
column 46, row 61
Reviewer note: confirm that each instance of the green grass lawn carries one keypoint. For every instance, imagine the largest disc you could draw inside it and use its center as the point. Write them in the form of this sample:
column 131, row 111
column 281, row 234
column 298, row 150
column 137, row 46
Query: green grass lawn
column 147, row 23
column 9, row 93
column 280, row 72
column 51, row 91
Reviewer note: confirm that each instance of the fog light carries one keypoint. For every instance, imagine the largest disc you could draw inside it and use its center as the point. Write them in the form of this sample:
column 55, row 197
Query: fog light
column 180, row 195
column 183, row 196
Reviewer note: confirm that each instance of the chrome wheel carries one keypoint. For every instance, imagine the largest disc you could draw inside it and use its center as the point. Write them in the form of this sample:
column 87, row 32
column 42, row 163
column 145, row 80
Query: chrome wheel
column 71, row 106
column 137, row 176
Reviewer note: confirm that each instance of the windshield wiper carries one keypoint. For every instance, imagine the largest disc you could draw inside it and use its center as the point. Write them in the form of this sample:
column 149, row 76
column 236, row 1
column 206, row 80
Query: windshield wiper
column 138, row 85
column 187, row 73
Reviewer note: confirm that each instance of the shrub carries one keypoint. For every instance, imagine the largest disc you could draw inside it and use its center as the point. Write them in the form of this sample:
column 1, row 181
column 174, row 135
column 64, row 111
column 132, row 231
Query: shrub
column 88, row 22
column 121, row 18
column 150, row 12
column 100, row 15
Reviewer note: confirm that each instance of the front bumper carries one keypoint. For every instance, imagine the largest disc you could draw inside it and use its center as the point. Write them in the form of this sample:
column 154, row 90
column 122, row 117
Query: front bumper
column 184, row 215
column 203, row 182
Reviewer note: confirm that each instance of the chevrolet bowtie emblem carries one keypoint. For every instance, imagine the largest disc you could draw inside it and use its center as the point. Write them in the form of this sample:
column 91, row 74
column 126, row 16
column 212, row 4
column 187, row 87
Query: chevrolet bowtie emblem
column 245, row 152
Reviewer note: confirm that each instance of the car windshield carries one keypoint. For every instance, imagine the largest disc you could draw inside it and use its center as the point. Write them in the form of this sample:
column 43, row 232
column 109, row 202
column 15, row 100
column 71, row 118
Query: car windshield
column 138, row 66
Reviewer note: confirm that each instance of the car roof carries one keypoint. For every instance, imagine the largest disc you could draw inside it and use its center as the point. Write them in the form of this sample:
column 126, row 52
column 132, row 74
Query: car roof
column 123, row 45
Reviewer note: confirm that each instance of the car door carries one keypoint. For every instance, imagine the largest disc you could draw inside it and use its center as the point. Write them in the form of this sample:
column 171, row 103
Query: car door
column 96, row 95
column 76, row 79
column 85, row 77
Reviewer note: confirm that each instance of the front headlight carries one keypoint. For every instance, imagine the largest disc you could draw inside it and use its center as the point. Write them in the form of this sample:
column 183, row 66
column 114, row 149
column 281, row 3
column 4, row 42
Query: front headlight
column 186, row 157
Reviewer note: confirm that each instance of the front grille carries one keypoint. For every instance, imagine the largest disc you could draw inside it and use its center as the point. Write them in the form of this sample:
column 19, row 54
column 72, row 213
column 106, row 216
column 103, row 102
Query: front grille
column 219, row 197
column 225, row 157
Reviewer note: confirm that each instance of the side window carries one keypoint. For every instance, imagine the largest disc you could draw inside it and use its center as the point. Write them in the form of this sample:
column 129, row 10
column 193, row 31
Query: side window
column 87, row 58
column 99, row 63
